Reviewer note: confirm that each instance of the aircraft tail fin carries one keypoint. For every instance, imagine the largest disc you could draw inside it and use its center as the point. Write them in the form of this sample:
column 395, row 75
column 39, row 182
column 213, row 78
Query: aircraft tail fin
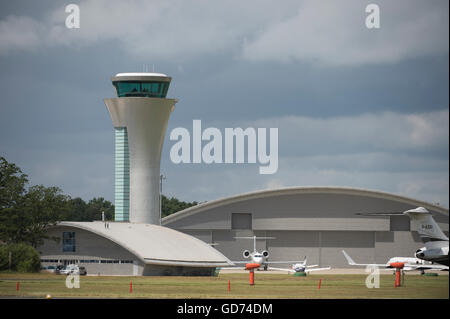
column 304, row 260
column 349, row 259
column 426, row 226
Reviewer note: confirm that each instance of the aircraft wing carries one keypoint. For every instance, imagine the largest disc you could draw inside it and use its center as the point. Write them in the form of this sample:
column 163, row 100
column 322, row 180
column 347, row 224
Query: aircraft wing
column 292, row 270
column 282, row 269
column 316, row 269
column 283, row 262
column 352, row 263
column 267, row 262
column 380, row 214
column 425, row 267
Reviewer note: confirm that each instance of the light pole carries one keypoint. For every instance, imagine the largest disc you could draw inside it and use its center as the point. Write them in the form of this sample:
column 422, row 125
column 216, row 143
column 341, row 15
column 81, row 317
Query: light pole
column 161, row 177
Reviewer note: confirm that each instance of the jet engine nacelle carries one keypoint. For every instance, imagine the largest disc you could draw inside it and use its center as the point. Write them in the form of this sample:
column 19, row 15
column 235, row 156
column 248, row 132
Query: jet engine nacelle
column 265, row 253
column 420, row 253
column 430, row 254
column 246, row 254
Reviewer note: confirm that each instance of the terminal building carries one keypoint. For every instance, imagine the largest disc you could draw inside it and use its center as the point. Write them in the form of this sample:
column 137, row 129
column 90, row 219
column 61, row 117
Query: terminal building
column 131, row 249
column 317, row 222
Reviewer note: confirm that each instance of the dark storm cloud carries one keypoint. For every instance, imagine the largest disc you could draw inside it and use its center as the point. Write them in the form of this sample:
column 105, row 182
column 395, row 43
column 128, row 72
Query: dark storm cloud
column 349, row 112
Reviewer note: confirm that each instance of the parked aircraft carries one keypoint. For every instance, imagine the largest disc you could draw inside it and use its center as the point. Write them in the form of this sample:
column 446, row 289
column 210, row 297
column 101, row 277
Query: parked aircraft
column 259, row 257
column 436, row 242
column 410, row 263
column 301, row 267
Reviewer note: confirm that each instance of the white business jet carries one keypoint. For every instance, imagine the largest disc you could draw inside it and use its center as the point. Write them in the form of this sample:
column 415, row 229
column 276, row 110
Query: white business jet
column 410, row 263
column 258, row 257
column 301, row 267
column 436, row 243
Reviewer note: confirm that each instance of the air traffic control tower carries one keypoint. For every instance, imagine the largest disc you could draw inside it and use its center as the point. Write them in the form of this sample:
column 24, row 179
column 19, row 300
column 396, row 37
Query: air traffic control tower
column 140, row 114
column 135, row 245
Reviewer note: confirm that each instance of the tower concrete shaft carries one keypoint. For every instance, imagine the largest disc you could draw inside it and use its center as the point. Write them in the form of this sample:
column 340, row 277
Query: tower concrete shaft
column 145, row 118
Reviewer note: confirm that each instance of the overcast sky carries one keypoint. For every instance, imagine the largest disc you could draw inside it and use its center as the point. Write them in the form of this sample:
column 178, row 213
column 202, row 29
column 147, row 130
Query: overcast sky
column 354, row 107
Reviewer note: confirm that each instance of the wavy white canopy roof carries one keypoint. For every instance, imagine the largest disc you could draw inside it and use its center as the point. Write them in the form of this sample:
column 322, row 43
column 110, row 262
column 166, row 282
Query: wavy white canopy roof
column 155, row 244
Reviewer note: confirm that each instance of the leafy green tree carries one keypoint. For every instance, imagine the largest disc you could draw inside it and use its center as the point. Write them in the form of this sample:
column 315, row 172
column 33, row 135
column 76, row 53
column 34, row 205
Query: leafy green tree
column 42, row 208
column 38, row 209
column 12, row 184
column 4, row 257
column 12, row 190
column 173, row 205
column 24, row 258
column 96, row 206
column 76, row 210
column 79, row 210
column 26, row 214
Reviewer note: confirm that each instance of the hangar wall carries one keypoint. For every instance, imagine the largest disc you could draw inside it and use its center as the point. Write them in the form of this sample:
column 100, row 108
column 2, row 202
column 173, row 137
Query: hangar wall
column 317, row 223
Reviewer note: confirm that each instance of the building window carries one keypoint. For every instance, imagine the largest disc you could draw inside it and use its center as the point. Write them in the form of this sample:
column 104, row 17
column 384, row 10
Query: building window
column 141, row 89
column 241, row 221
column 49, row 260
column 68, row 241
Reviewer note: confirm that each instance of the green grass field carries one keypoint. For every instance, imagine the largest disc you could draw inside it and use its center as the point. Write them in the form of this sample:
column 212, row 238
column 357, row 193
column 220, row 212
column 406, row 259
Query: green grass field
column 266, row 286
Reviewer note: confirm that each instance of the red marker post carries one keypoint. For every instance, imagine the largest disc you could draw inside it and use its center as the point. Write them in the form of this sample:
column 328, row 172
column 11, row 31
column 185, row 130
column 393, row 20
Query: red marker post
column 397, row 278
column 251, row 267
column 17, row 286
column 229, row 285
column 252, row 277
column 320, row 282
column 398, row 269
column 131, row 287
